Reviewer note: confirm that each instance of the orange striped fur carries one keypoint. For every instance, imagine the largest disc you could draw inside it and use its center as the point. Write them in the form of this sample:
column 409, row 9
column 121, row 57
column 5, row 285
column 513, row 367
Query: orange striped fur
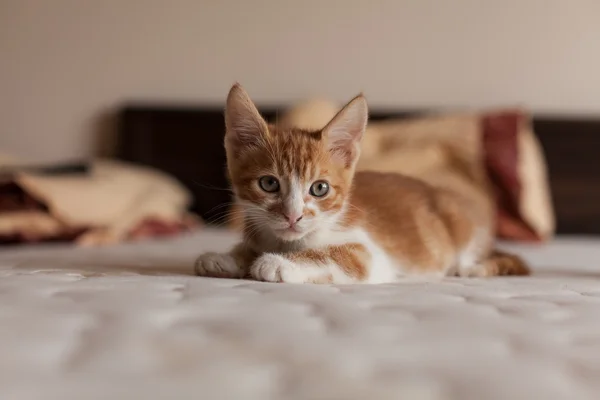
column 309, row 218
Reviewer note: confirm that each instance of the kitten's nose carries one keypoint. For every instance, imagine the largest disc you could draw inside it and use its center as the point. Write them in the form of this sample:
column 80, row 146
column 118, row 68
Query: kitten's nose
column 293, row 218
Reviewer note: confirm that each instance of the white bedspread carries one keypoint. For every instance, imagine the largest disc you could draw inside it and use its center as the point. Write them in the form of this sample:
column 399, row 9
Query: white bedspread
column 131, row 322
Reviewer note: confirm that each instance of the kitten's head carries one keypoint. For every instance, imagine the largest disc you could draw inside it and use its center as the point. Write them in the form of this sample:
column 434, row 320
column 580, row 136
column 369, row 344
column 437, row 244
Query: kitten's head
column 290, row 181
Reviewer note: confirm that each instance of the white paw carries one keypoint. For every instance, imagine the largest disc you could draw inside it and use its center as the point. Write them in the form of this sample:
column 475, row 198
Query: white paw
column 275, row 268
column 217, row 265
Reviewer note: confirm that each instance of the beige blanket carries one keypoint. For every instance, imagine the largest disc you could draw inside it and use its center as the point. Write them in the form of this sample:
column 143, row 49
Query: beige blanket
column 115, row 202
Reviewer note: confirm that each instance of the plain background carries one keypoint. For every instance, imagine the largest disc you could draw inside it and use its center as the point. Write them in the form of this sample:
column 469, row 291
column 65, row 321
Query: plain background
column 67, row 65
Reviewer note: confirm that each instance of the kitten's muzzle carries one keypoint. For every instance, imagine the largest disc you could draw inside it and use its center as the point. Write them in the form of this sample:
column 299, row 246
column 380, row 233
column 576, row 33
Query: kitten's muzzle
column 293, row 219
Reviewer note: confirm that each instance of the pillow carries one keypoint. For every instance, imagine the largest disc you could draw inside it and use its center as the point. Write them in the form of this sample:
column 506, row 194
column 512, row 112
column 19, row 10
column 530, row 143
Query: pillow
column 516, row 166
column 491, row 157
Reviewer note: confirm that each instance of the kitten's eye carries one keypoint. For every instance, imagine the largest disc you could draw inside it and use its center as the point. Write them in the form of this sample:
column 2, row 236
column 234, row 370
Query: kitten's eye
column 319, row 188
column 269, row 184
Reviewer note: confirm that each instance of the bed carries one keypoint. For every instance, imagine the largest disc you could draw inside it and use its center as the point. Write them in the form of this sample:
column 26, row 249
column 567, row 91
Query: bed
column 131, row 321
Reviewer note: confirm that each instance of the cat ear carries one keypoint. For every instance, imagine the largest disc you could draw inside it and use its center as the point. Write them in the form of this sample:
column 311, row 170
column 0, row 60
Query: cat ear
column 344, row 132
column 244, row 125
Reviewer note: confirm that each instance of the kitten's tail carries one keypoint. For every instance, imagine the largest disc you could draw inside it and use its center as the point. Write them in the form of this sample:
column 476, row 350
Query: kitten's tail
column 502, row 263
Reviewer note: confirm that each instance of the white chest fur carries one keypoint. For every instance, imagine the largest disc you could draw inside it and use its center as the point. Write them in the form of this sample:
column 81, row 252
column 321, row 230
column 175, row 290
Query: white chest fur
column 381, row 268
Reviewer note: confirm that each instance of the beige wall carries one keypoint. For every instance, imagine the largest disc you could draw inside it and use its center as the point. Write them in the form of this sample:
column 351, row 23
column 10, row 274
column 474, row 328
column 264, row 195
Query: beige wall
column 65, row 63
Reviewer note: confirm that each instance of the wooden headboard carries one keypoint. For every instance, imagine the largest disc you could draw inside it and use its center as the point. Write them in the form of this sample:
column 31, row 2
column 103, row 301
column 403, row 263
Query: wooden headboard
column 187, row 142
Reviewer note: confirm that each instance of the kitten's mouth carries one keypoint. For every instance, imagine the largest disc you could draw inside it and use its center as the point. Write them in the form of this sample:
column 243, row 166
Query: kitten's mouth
column 290, row 233
column 290, row 229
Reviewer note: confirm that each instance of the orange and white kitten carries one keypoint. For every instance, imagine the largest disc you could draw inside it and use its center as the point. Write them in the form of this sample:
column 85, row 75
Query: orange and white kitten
column 308, row 217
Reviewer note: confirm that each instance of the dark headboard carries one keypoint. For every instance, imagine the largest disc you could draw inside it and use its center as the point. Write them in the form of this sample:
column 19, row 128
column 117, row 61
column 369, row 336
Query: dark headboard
column 187, row 142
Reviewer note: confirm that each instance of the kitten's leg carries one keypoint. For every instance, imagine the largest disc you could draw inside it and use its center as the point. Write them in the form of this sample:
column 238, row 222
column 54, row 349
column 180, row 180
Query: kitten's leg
column 500, row 263
column 234, row 264
column 333, row 264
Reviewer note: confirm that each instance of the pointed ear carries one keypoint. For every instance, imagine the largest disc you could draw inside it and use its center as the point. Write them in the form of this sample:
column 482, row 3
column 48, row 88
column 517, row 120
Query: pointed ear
column 345, row 131
column 244, row 125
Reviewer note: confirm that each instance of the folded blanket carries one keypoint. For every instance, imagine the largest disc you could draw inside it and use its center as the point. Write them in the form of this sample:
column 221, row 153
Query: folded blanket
column 114, row 201
column 491, row 157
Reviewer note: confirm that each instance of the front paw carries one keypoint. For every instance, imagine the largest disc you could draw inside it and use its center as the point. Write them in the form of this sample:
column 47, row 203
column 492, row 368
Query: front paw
column 217, row 265
column 275, row 268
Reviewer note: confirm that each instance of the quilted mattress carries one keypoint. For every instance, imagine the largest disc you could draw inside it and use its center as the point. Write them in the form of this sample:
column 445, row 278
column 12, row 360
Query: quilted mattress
column 131, row 322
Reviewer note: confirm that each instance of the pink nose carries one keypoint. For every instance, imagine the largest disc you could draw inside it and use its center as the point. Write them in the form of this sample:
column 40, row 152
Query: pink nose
column 293, row 218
